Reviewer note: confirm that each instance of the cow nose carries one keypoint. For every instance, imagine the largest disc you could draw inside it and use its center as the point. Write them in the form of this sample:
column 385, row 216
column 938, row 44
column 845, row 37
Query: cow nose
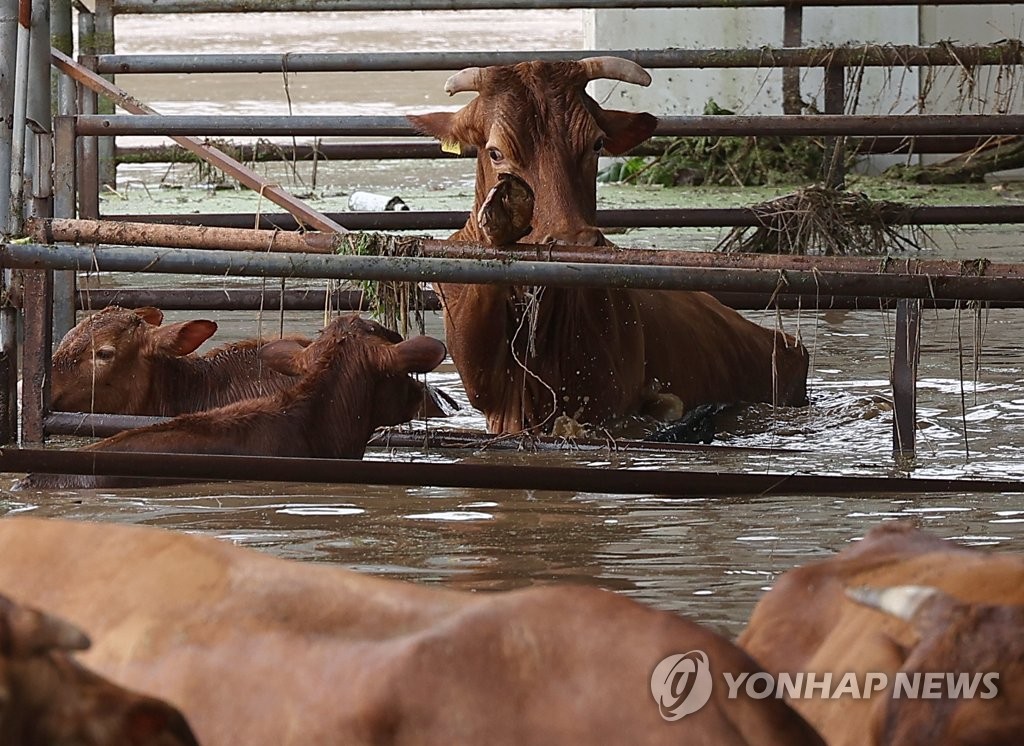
column 588, row 236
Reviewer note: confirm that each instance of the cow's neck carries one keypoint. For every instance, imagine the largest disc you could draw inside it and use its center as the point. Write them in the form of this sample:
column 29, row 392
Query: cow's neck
column 193, row 384
column 335, row 405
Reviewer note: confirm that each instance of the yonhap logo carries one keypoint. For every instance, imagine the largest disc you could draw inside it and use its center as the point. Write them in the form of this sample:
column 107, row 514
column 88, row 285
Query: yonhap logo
column 681, row 684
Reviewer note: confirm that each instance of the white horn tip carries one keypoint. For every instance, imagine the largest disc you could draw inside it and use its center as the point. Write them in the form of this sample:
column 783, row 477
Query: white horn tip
column 901, row 601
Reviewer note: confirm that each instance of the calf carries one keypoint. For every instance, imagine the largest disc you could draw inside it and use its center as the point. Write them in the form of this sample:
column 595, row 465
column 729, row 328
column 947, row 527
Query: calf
column 351, row 380
column 48, row 699
column 269, row 652
column 529, row 355
column 901, row 602
column 122, row 361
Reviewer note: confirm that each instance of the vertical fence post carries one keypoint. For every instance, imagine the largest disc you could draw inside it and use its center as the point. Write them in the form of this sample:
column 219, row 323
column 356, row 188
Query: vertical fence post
column 88, row 147
column 792, row 36
column 835, row 147
column 103, row 40
column 906, row 354
column 8, row 43
column 35, row 387
column 64, row 202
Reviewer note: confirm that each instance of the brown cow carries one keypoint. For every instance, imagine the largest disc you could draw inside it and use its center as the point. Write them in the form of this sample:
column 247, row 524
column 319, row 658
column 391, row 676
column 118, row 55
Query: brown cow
column 258, row 650
column 48, row 699
column 351, row 380
column 528, row 355
column 122, row 361
column 923, row 606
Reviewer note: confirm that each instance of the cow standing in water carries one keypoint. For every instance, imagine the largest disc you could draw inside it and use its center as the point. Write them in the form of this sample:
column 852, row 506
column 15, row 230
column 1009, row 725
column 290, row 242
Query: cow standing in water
column 592, row 354
column 351, row 380
column 904, row 603
column 48, row 699
column 262, row 651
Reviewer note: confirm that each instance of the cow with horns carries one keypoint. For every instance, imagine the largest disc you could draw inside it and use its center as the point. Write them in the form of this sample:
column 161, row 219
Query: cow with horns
column 527, row 355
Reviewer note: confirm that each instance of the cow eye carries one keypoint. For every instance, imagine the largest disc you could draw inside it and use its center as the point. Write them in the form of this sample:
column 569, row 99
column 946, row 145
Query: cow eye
column 599, row 145
column 105, row 354
column 495, row 155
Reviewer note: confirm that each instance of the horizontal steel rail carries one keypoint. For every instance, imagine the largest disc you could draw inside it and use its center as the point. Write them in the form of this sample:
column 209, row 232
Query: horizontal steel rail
column 313, row 299
column 816, row 124
column 866, row 55
column 281, row 6
column 232, row 239
column 563, row 274
column 417, row 150
column 676, row 483
column 665, row 217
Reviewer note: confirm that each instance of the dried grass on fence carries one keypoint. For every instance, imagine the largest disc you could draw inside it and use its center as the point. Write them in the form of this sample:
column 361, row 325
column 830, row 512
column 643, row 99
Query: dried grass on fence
column 822, row 221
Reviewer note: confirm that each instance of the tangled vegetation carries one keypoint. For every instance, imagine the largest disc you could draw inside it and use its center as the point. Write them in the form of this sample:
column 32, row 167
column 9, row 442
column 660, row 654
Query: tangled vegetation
column 824, row 221
column 722, row 161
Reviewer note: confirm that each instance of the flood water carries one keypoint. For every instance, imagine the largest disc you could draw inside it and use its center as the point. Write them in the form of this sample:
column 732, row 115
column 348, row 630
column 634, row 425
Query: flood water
column 707, row 558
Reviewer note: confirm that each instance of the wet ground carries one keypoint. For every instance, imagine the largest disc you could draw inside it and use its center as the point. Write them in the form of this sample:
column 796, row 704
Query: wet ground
column 709, row 558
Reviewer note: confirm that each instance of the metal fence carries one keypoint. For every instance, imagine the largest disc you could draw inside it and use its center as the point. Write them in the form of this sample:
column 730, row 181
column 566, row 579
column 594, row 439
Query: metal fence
column 80, row 160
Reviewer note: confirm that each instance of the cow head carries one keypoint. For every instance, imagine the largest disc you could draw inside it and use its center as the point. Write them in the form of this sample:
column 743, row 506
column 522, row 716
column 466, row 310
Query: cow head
column 972, row 640
column 535, row 121
column 46, row 697
column 364, row 355
column 105, row 363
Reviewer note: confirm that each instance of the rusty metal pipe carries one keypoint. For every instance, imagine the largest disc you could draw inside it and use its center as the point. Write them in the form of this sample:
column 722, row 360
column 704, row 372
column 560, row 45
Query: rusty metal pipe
column 312, row 299
column 674, row 483
column 667, row 217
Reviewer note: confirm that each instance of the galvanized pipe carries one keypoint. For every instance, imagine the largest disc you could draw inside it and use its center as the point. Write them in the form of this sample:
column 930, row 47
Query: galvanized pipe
column 281, row 6
column 15, row 208
column 231, row 239
column 408, row 269
column 8, row 45
column 668, row 217
column 709, row 125
column 417, row 150
column 866, row 55
column 672, row 483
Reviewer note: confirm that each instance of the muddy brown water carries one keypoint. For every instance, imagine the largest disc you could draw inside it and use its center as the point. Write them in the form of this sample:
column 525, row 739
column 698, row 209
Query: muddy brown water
column 708, row 558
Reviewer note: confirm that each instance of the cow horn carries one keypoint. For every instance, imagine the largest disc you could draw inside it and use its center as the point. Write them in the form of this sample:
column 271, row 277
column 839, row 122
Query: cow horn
column 467, row 79
column 900, row 601
column 615, row 68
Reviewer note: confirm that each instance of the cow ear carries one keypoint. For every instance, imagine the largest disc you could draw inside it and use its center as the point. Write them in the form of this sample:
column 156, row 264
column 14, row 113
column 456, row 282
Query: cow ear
column 285, row 356
column 624, row 130
column 418, row 355
column 152, row 316
column 34, row 631
column 185, row 337
column 149, row 720
column 452, row 128
column 437, row 124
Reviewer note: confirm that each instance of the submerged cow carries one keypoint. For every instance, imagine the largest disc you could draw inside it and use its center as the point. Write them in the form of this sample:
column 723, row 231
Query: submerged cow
column 262, row 651
column 49, row 699
column 124, row 361
column 902, row 603
column 351, row 380
column 527, row 355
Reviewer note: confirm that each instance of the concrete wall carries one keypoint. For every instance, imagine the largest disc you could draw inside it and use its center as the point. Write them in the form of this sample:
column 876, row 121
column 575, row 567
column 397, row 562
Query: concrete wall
column 681, row 92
